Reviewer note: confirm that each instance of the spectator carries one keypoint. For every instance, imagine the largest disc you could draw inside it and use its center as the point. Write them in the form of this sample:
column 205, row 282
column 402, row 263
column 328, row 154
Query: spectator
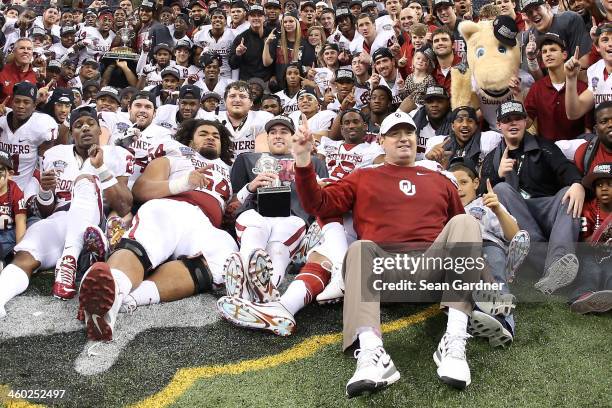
column 433, row 119
column 14, row 211
column 508, row 8
column 545, row 102
column 599, row 148
column 272, row 11
column 443, row 9
column 307, row 16
column 328, row 21
column 271, row 103
column 386, row 74
column 238, row 11
column 442, row 44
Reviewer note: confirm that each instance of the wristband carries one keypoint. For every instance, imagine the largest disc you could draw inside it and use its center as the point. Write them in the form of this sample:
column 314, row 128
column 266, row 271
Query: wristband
column 45, row 197
column 103, row 173
column 179, row 185
column 109, row 182
column 244, row 193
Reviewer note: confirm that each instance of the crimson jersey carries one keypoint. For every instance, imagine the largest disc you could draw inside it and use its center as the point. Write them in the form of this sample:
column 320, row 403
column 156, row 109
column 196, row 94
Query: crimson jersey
column 342, row 158
column 12, row 203
column 211, row 199
column 390, row 204
column 600, row 156
column 589, row 218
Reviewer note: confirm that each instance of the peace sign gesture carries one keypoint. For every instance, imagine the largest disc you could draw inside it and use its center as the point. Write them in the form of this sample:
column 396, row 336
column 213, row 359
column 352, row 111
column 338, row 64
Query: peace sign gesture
column 302, row 143
column 3, row 106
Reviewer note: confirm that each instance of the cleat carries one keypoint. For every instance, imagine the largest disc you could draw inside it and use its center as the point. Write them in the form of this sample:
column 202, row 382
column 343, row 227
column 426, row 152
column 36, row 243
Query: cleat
column 311, row 239
column 270, row 316
column 334, row 291
column 375, row 370
column 236, row 284
column 261, row 287
column 128, row 305
column 100, row 299
column 95, row 243
column 593, row 302
column 518, row 249
column 64, row 287
column 490, row 327
column 560, row 273
column 452, row 364
column 114, row 230
column 493, row 302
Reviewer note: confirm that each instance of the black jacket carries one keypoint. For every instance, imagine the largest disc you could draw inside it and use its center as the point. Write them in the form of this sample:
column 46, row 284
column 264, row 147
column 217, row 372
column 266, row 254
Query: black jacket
column 541, row 169
column 251, row 63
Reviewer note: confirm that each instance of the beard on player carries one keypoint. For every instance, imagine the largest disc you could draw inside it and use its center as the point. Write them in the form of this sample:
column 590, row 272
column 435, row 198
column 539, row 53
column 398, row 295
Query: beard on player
column 187, row 129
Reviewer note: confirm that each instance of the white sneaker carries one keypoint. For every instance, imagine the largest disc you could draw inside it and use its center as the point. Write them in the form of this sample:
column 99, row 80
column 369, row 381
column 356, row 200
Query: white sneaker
column 100, row 300
column 452, row 364
column 375, row 370
column 128, row 305
column 560, row 273
column 334, row 291
column 271, row 316
column 491, row 328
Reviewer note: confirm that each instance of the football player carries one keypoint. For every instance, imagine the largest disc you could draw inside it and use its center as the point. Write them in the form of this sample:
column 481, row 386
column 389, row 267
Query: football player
column 267, row 239
column 188, row 107
column 185, row 198
column 245, row 126
column 76, row 181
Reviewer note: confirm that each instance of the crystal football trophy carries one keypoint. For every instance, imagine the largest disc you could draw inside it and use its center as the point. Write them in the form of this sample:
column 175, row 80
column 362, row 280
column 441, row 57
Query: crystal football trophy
column 274, row 200
column 124, row 52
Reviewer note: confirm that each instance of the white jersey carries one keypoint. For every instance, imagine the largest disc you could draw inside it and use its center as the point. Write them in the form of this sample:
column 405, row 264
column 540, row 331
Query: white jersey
column 95, row 45
column 342, row 158
column 190, row 70
column 289, row 105
column 222, row 47
column 153, row 74
column 67, row 165
column 219, row 89
column 150, row 145
column 22, row 145
column 344, row 44
column 240, row 29
column 114, row 121
column 423, row 137
column 220, row 188
column 166, row 117
column 488, row 104
column 384, row 23
column 55, row 28
column 323, row 78
column 599, row 82
column 243, row 137
column 59, row 50
column 319, row 122
column 384, row 39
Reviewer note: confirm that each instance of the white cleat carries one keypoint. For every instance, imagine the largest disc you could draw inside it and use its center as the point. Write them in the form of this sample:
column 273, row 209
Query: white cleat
column 270, row 316
column 375, row 370
column 235, row 277
column 128, row 305
column 559, row 274
column 453, row 368
column 258, row 275
column 334, row 291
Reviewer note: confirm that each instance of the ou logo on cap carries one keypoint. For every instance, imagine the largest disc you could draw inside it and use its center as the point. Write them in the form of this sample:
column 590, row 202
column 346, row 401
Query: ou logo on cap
column 407, row 187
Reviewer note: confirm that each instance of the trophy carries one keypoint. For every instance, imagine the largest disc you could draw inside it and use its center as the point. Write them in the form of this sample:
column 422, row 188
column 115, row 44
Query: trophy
column 124, row 52
column 274, row 200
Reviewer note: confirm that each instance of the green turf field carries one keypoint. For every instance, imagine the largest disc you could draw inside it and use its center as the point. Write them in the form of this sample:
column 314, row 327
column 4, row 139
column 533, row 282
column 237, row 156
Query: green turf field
column 180, row 354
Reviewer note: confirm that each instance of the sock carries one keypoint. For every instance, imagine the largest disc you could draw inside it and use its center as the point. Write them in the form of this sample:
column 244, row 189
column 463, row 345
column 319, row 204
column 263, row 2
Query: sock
column 124, row 283
column 251, row 239
column 457, row 322
column 13, row 281
column 279, row 253
column 294, row 297
column 84, row 211
column 369, row 340
column 146, row 294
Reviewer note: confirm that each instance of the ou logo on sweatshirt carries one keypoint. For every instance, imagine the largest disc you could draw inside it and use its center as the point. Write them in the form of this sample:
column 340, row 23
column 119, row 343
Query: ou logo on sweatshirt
column 407, row 187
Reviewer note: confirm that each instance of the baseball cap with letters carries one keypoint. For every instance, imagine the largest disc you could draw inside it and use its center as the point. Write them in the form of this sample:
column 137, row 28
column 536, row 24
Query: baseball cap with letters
column 368, row 4
column 600, row 171
column 190, row 92
column 256, row 9
column 505, row 30
column 171, row 71
column 345, row 75
column 438, row 3
column 25, row 89
column 527, row 3
column 5, row 160
column 109, row 91
column 148, row 4
column 435, row 92
column 394, row 119
column 510, row 108
column 67, row 30
column 280, row 120
column 272, row 3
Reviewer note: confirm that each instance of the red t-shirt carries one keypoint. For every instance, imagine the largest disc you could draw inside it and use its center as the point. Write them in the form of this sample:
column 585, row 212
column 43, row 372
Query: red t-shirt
column 445, row 80
column 390, row 204
column 11, row 204
column 601, row 155
column 547, row 105
column 11, row 75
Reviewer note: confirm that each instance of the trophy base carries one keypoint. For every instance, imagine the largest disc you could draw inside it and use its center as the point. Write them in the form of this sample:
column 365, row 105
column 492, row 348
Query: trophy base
column 120, row 53
column 274, row 201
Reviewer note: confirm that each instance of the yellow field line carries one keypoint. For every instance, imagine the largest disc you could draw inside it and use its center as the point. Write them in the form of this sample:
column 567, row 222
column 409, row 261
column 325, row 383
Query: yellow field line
column 185, row 377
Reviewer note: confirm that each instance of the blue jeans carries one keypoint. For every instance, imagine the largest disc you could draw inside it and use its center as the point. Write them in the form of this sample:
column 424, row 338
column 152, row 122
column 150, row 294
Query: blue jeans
column 7, row 238
column 496, row 258
column 594, row 275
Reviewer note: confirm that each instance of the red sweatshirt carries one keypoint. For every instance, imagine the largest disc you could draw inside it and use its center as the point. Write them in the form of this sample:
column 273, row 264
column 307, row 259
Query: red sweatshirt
column 390, row 204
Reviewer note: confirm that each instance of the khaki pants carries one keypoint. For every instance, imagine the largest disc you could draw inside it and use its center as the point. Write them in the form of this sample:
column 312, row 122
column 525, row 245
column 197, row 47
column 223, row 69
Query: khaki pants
column 358, row 268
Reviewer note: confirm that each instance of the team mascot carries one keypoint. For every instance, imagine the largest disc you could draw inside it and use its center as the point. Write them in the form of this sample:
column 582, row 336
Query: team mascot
column 491, row 75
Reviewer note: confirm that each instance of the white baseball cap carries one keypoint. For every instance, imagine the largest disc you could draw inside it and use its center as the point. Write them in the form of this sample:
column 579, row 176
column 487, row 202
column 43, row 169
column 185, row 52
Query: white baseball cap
column 395, row 119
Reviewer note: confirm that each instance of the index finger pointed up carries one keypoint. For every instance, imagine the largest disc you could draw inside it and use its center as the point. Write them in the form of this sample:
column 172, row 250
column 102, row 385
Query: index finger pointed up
column 304, row 122
column 489, row 186
column 593, row 21
column 531, row 37
column 505, row 155
column 242, row 41
column 577, row 52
